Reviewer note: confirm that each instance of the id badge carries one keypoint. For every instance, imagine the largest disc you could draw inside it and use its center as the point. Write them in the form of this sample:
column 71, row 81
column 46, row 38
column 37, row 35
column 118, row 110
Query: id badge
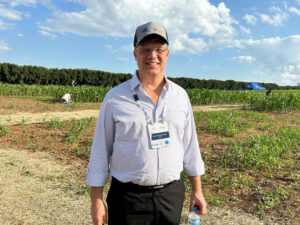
column 159, row 135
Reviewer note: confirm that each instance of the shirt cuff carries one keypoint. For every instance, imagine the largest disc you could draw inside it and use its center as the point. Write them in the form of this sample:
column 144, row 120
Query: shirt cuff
column 95, row 179
column 194, row 170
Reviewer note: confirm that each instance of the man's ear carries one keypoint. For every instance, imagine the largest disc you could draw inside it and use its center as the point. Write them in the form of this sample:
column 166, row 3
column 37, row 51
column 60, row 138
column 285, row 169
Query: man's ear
column 168, row 51
column 134, row 54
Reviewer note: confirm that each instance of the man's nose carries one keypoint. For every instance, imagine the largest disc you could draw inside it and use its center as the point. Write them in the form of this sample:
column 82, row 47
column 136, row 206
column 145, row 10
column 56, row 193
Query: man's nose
column 153, row 53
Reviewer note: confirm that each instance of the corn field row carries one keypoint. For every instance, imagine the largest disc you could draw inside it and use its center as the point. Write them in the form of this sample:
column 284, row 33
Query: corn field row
column 255, row 100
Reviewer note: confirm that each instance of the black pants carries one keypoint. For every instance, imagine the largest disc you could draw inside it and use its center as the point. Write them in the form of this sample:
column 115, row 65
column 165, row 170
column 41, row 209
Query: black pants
column 131, row 204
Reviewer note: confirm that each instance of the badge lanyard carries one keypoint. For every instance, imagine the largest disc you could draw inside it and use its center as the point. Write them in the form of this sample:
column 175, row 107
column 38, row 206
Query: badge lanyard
column 149, row 120
column 158, row 132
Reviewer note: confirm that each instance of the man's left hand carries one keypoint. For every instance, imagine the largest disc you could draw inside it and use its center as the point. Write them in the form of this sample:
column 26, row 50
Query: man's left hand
column 198, row 201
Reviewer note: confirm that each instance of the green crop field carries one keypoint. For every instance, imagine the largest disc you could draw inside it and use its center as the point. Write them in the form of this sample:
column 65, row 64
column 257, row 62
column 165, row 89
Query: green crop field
column 255, row 100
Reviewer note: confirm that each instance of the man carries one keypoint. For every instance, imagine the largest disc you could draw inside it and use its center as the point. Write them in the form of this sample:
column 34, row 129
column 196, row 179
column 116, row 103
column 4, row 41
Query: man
column 66, row 98
column 145, row 136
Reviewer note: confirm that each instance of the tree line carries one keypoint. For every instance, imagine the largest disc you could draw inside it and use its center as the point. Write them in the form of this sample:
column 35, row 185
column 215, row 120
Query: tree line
column 14, row 74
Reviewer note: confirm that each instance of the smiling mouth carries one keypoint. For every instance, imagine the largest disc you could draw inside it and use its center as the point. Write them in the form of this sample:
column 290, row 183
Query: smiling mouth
column 152, row 64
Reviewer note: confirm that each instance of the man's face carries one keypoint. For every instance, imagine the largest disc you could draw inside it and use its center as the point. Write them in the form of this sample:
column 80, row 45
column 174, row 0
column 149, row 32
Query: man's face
column 151, row 56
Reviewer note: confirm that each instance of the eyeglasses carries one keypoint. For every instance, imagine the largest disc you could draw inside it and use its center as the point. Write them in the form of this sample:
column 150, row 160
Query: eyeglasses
column 148, row 51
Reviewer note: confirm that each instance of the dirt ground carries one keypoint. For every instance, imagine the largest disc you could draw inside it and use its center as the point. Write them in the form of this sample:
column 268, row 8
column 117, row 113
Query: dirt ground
column 37, row 188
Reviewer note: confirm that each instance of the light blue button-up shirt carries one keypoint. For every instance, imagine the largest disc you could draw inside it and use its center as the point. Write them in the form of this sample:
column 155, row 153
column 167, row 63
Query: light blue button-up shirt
column 121, row 144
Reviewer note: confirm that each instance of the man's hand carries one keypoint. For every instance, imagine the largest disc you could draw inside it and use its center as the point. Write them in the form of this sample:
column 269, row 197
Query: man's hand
column 198, row 201
column 98, row 209
column 197, row 198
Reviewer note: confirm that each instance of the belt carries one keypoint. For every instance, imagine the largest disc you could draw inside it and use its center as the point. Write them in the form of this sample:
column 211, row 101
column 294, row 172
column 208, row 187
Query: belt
column 137, row 187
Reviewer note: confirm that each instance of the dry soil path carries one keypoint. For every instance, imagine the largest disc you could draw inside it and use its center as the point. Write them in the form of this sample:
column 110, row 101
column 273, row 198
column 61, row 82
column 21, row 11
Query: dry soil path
column 27, row 117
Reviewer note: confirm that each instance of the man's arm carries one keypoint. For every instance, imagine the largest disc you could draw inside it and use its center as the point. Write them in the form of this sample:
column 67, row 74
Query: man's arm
column 197, row 198
column 98, row 209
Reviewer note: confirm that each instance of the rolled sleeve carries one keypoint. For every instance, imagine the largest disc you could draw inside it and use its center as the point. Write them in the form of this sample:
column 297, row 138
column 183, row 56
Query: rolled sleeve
column 192, row 162
column 98, row 169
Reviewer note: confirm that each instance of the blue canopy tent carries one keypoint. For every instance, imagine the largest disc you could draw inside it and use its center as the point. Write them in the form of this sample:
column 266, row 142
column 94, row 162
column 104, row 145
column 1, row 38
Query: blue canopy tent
column 254, row 86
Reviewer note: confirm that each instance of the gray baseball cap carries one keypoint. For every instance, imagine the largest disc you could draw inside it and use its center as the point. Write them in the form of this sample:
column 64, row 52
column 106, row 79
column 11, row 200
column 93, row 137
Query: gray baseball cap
column 147, row 29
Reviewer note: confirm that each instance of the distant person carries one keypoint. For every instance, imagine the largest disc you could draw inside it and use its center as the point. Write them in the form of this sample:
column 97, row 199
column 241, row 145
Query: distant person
column 73, row 83
column 269, row 92
column 66, row 98
column 145, row 137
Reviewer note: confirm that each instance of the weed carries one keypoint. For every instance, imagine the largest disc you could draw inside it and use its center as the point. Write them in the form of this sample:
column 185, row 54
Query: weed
column 50, row 143
column 266, row 126
column 217, row 201
column 22, row 122
column 82, row 189
column 12, row 106
column 77, row 127
column 10, row 164
column 50, row 177
column 56, row 123
column 3, row 130
column 28, row 173
column 86, row 150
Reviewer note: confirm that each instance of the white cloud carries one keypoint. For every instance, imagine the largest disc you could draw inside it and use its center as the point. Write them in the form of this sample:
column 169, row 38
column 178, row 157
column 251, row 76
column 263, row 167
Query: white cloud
column 123, row 59
column 294, row 10
column 2, row 25
column 110, row 48
column 4, row 47
column 49, row 34
column 14, row 3
column 127, row 48
column 8, row 13
column 49, row 4
column 244, row 59
column 22, row 2
column 277, row 57
column 20, row 35
column 245, row 30
column 250, row 19
column 290, row 78
column 193, row 26
column 275, row 20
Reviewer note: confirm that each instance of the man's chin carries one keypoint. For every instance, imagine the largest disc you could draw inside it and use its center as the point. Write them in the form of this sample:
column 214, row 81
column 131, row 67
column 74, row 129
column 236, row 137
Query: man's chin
column 153, row 72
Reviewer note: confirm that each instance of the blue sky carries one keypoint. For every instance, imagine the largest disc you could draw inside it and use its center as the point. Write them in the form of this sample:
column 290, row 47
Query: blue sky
column 243, row 40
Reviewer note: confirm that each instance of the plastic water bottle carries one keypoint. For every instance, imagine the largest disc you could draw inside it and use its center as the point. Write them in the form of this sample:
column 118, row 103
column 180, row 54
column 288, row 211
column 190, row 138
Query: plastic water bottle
column 194, row 219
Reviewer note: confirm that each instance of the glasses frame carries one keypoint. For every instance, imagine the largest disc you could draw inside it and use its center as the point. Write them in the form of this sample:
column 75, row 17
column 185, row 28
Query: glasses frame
column 148, row 51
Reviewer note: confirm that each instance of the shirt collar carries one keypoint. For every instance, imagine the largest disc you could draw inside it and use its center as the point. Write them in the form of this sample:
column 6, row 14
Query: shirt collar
column 135, row 82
